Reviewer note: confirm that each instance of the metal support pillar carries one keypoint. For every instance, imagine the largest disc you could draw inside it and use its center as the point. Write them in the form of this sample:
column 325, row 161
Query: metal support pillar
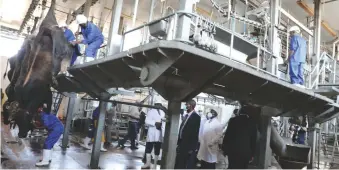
column 150, row 17
column 184, row 22
column 171, row 135
column 273, row 37
column 114, row 41
column 87, row 9
column 69, row 117
column 317, row 35
column 94, row 164
column 313, row 143
column 135, row 12
column 265, row 138
column 101, row 23
column 110, row 115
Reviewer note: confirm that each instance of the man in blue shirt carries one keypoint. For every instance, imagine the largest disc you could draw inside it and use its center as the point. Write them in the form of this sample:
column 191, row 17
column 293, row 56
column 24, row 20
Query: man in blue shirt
column 55, row 129
column 70, row 38
column 297, row 57
column 93, row 37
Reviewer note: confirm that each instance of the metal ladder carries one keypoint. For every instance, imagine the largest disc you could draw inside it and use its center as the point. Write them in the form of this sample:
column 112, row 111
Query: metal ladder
column 56, row 101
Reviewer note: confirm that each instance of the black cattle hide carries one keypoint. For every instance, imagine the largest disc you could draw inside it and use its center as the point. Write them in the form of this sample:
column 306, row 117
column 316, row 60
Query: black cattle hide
column 34, row 68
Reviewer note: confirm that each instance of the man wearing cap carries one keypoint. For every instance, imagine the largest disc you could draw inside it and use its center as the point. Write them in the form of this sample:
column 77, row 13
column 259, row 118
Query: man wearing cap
column 297, row 57
column 70, row 38
column 93, row 37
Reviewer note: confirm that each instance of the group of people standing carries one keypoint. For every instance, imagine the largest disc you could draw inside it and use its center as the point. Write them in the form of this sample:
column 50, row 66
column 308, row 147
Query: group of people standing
column 200, row 135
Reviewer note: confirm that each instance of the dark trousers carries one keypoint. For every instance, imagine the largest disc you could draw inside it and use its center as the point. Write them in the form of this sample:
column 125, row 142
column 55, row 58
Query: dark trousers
column 207, row 165
column 151, row 145
column 185, row 160
column 236, row 162
column 131, row 134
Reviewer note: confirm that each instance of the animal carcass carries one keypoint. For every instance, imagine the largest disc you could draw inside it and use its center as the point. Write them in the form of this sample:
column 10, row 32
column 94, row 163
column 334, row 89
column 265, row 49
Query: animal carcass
column 33, row 73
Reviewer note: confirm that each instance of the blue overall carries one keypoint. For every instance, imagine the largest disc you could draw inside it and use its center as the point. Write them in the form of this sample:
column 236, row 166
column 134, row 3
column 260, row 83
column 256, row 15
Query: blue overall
column 70, row 37
column 54, row 128
column 93, row 38
column 297, row 59
column 301, row 137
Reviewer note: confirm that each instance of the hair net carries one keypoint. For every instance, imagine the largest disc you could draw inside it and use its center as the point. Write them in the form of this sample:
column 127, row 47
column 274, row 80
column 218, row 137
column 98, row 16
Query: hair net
column 81, row 19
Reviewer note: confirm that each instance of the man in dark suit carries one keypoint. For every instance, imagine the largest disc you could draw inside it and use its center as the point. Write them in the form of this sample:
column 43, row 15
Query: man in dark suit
column 188, row 138
column 240, row 139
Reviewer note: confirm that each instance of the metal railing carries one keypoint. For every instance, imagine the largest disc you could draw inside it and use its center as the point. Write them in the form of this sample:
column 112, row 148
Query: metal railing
column 324, row 72
column 263, row 54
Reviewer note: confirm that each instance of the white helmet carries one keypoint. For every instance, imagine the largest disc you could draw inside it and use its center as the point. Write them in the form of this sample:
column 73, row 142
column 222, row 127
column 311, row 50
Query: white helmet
column 81, row 19
column 295, row 29
column 63, row 24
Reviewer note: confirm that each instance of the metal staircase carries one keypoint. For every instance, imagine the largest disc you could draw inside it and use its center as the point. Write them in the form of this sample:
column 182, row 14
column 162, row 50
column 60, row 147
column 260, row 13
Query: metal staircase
column 56, row 101
column 330, row 148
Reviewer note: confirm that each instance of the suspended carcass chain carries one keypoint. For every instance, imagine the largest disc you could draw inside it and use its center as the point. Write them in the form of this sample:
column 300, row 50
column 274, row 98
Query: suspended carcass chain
column 204, row 31
column 224, row 13
column 28, row 15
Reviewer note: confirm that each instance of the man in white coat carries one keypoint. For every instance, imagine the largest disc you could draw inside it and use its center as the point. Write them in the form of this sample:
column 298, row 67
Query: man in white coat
column 210, row 135
column 156, row 129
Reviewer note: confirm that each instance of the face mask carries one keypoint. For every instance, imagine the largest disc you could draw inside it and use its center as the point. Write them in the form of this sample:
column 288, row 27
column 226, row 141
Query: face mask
column 209, row 115
column 187, row 108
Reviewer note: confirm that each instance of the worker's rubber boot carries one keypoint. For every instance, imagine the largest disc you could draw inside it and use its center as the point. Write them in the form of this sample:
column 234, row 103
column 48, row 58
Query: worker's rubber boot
column 148, row 162
column 156, row 157
column 45, row 158
column 102, row 149
column 86, row 142
column 137, row 141
column 51, row 156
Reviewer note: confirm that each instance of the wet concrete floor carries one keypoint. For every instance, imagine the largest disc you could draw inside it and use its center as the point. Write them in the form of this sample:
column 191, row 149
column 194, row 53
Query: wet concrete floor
column 26, row 153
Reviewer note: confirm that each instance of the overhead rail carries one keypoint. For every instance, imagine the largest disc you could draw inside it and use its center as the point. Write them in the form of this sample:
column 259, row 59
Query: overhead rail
column 28, row 15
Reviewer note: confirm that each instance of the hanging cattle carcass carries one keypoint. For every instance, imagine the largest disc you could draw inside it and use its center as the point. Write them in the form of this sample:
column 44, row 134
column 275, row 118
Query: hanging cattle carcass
column 35, row 68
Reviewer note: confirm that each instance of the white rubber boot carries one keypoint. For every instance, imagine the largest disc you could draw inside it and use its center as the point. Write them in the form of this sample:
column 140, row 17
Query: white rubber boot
column 45, row 158
column 102, row 149
column 138, row 138
column 85, row 144
column 156, row 157
column 148, row 162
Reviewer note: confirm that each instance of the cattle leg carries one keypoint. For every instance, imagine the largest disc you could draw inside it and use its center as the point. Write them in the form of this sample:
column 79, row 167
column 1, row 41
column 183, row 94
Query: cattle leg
column 56, row 69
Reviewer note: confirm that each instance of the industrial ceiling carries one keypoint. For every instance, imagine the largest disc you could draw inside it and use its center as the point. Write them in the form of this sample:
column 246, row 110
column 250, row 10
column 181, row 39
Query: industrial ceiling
column 13, row 12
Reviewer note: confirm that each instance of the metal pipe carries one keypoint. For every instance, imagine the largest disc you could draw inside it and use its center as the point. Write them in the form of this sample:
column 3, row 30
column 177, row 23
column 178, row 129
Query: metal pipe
column 319, row 142
column 317, row 35
column 114, row 28
column 135, row 11
column 101, row 20
column 69, row 116
column 127, row 103
column 150, row 17
column 87, row 9
column 302, row 26
column 94, row 163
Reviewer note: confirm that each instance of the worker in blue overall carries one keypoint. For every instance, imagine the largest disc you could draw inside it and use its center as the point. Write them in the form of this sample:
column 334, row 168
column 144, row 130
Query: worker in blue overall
column 297, row 57
column 71, row 39
column 95, row 117
column 55, row 130
column 92, row 35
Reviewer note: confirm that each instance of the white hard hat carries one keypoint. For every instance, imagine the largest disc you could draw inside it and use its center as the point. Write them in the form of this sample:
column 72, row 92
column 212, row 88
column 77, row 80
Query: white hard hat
column 295, row 29
column 81, row 19
column 63, row 24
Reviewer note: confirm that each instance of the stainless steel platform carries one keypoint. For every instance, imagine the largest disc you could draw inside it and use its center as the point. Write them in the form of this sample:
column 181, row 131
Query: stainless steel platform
column 185, row 71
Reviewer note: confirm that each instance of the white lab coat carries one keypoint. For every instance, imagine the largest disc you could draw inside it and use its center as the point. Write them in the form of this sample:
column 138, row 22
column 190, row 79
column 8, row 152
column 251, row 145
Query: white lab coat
column 202, row 123
column 153, row 134
column 211, row 134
